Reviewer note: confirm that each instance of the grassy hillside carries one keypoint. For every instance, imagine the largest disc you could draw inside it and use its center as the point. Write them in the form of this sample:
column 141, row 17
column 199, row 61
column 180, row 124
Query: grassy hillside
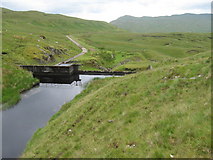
column 200, row 23
column 32, row 37
column 37, row 38
column 39, row 21
column 156, row 113
column 128, row 51
column 162, row 112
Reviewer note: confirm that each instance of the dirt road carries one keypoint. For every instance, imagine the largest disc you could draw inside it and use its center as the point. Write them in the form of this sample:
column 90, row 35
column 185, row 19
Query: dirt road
column 84, row 50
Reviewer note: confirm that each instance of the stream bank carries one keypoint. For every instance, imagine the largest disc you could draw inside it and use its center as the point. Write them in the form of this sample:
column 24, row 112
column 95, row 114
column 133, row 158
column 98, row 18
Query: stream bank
column 34, row 110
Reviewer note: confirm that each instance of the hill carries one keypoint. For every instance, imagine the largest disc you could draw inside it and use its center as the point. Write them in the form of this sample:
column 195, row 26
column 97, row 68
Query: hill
column 176, row 23
column 31, row 37
column 135, row 52
column 161, row 112
column 151, row 114
column 156, row 113
column 29, row 21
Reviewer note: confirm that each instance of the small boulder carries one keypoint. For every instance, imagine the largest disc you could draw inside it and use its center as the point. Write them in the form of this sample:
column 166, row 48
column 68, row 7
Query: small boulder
column 110, row 121
column 149, row 67
column 42, row 37
column 171, row 155
column 4, row 53
column 70, row 130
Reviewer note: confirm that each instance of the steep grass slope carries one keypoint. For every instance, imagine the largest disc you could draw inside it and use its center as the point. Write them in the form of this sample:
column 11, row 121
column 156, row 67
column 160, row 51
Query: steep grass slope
column 200, row 23
column 158, row 113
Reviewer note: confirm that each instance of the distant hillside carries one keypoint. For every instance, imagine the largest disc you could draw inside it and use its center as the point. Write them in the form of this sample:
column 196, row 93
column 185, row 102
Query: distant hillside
column 200, row 23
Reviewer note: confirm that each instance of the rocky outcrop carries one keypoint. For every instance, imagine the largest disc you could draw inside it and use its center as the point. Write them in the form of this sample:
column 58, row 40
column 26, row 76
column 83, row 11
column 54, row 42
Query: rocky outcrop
column 49, row 54
column 55, row 51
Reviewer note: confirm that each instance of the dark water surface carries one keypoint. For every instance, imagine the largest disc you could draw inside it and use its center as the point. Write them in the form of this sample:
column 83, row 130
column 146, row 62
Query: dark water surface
column 34, row 110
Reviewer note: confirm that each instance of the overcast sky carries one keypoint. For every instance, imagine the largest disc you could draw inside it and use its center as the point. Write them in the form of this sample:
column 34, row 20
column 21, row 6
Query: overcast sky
column 108, row 10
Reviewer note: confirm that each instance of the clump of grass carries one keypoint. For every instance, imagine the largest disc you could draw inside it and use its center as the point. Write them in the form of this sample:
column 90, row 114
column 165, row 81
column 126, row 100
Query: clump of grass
column 15, row 80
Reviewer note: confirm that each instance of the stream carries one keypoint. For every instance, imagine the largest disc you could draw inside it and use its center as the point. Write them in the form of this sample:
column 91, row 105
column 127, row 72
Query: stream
column 34, row 110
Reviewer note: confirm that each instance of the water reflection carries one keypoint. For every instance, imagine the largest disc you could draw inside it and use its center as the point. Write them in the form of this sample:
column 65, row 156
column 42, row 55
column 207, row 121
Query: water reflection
column 59, row 79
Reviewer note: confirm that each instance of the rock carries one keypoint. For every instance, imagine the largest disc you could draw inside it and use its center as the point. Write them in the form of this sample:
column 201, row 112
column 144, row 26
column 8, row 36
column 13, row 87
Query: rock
column 115, row 145
column 171, row 155
column 110, row 121
column 177, row 77
column 112, row 56
column 42, row 37
column 193, row 51
column 131, row 145
column 167, row 44
column 125, row 94
column 70, row 130
column 3, row 52
column 149, row 67
column 199, row 75
column 55, row 51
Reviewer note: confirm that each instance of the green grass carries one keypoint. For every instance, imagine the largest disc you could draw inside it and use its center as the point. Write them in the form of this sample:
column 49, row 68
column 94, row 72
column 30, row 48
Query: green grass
column 163, row 24
column 23, row 45
column 150, row 114
column 122, row 50
column 15, row 80
column 153, row 113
